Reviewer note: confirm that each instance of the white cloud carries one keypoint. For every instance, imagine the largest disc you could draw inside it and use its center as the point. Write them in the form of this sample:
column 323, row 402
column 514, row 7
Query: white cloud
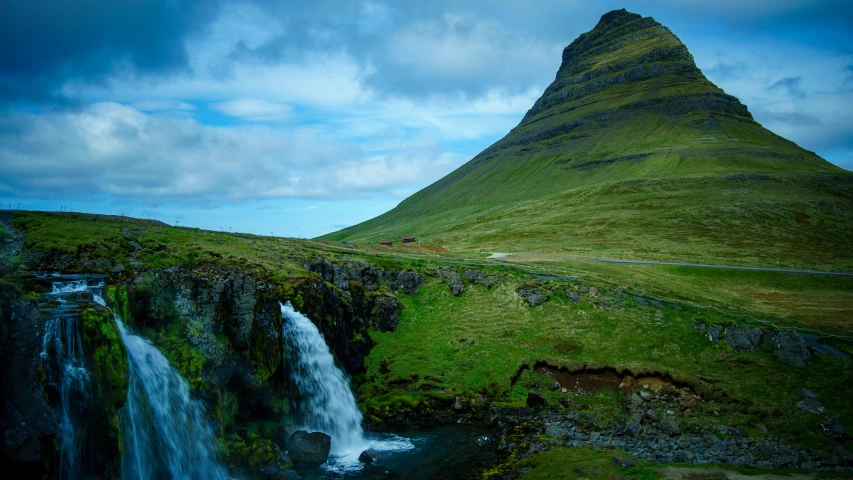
column 254, row 110
column 116, row 150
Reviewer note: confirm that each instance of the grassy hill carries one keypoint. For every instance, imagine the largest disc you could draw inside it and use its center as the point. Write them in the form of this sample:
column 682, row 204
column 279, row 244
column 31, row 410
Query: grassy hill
column 632, row 152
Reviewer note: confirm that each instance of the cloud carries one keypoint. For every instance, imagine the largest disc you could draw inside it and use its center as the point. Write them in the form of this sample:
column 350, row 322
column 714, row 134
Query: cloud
column 42, row 46
column 255, row 110
column 115, row 150
column 790, row 85
column 160, row 105
column 728, row 71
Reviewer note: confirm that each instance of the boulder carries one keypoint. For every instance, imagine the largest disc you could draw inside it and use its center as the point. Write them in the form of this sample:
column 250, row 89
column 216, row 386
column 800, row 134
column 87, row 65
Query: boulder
column 409, row 282
column 535, row 399
column 535, row 300
column 811, row 405
column 367, row 456
column 698, row 324
column 669, row 425
column 456, row 285
column 791, row 348
column 743, row 338
column 715, row 332
column 309, row 448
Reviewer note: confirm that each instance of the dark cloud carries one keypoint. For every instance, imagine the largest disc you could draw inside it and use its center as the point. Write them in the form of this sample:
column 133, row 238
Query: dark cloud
column 793, row 86
column 42, row 44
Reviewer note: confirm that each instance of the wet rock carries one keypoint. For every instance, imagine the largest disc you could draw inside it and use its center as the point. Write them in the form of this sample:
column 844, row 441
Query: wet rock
column 811, row 405
column 535, row 399
column 309, row 448
column 456, row 285
column 743, row 338
column 715, row 332
column 791, row 348
column 457, row 405
column 26, row 417
column 367, row 456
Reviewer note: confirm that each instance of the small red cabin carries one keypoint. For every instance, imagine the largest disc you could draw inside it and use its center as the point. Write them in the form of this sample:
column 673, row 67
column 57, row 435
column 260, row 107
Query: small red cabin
column 385, row 242
column 408, row 239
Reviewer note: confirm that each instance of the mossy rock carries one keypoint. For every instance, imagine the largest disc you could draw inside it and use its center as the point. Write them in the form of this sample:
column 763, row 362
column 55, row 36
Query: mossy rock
column 248, row 452
column 103, row 345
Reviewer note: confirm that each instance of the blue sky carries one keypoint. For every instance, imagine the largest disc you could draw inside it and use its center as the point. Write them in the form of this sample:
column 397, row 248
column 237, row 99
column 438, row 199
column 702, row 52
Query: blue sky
column 300, row 118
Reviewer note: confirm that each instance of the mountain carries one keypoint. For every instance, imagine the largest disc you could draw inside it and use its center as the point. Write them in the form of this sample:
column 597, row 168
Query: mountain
column 633, row 152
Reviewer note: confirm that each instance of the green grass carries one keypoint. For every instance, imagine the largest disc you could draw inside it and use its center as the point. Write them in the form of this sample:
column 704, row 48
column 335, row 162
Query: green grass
column 807, row 302
column 471, row 346
column 563, row 463
column 154, row 244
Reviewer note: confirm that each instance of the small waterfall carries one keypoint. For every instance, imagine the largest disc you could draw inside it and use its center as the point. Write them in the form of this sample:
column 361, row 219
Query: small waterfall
column 62, row 356
column 326, row 401
column 165, row 431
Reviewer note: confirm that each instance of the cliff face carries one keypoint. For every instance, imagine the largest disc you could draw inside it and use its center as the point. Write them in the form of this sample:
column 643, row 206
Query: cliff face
column 219, row 326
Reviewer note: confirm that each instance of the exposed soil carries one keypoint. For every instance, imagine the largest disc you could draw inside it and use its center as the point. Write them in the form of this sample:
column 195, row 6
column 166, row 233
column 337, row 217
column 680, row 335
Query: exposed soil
column 590, row 381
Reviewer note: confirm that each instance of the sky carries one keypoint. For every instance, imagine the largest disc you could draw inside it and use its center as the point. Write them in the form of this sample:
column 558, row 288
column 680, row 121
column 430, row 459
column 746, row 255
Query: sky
column 299, row 118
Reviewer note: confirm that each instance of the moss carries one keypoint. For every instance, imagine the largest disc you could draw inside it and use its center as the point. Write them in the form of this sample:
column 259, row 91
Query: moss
column 264, row 354
column 103, row 345
column 250, row 451
column 118, row 299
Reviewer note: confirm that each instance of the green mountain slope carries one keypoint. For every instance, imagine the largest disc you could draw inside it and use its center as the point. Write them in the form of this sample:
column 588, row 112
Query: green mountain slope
column 631, row 151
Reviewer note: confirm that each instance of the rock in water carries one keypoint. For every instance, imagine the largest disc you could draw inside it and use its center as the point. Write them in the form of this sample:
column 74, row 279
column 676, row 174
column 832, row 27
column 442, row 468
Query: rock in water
column 309, row 448
column 791, row 348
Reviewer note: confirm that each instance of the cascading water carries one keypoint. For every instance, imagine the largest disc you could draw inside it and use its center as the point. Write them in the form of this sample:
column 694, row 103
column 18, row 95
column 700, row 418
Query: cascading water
column 62, row 356
column 165, row 431
column 326, row 401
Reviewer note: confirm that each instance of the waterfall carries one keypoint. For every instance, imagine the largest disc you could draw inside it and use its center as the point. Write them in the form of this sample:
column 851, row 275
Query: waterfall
column 165, row 431
column 62, row 356
column 326, row 401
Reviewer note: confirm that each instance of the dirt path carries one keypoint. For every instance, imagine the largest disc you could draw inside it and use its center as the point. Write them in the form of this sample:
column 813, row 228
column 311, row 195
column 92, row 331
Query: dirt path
column 713, row 473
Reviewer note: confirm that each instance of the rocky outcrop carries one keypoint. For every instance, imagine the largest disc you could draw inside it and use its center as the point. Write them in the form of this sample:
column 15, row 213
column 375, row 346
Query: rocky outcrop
column 744, row 338
column 26, row 418
column 369, row 277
